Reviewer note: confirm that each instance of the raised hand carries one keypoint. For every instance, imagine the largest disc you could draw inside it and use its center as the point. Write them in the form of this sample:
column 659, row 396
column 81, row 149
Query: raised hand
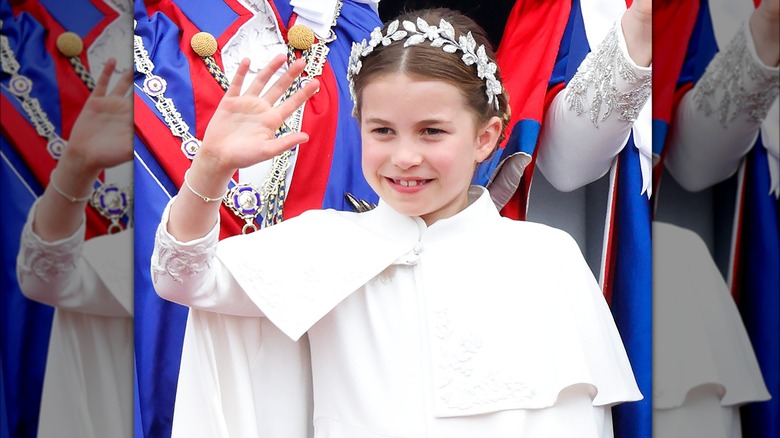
column 637, row 24
column 771, row 8
column 102, row 136
column 765, row 29
column 241, row 132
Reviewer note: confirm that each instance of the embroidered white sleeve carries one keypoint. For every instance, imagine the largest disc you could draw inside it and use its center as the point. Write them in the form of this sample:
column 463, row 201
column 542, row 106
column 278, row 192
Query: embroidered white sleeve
column 181, row 260
column 596, row 86
column 58, row 273
column 716, row 124
column 589, row 122
column 190, row 273
column 736, row 84
column 46, row 261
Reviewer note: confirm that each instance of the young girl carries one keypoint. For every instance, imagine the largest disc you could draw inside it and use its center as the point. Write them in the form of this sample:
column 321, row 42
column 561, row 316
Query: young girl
column 429, row 315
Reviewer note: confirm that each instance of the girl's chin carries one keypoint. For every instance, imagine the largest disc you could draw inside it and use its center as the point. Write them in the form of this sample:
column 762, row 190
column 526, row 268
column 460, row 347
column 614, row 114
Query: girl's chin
column 407, row 208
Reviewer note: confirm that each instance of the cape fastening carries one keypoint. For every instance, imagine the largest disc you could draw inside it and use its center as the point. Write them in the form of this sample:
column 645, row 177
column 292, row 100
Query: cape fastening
column 440, row 36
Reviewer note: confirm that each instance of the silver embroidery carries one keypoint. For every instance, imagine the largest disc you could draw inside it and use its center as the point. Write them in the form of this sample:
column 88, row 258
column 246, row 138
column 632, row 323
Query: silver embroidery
column 121, row 6
column 155, row 87
column 113, row 42
column 442, row 36
column 21, row 86
column 179, row 262
column 254, row 39
column 599, row 71
column 459, row 385
column 46, row 261
column 294, row 293
column 722, row 88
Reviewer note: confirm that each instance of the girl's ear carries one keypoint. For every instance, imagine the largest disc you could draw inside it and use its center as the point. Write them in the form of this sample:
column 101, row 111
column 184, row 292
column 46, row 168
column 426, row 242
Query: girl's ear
column 487, row 137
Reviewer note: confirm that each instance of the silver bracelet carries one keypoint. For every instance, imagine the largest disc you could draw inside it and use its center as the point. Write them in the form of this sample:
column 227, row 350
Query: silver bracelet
column 204, row 198
column 70, row 198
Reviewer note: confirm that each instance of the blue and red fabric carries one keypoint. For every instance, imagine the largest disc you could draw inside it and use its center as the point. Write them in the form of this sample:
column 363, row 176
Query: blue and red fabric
column 756, row 245
column 327, row 166
column 32, row 28
column 526, row 56
column 627, row 279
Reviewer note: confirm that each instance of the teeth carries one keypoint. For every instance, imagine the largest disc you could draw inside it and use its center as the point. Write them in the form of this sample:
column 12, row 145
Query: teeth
column 407, row 183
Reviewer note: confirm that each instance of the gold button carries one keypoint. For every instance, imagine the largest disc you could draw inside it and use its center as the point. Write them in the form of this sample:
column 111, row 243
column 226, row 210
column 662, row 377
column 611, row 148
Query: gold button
column 204, row 44
column 300, row 37
column 69, row 44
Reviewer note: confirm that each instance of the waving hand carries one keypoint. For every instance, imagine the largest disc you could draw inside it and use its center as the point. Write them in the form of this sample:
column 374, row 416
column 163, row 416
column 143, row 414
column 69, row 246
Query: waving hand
column 241, row 133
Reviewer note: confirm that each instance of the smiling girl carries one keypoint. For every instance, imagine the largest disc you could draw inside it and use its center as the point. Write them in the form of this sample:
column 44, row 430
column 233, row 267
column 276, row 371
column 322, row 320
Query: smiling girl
column 428, row 316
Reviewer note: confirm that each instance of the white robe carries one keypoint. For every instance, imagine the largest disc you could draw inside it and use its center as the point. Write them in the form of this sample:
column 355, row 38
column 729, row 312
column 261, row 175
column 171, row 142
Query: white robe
column 474, row 326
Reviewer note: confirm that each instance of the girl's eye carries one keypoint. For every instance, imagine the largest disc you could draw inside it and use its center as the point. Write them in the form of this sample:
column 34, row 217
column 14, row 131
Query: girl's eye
column 382, row 131
column 432, row 131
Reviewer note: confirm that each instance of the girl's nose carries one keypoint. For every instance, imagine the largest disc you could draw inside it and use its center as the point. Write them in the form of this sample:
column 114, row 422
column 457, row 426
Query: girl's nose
column 406, row 156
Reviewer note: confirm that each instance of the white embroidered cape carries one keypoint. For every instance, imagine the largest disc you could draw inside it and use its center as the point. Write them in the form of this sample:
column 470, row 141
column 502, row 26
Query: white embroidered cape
column 476, row 324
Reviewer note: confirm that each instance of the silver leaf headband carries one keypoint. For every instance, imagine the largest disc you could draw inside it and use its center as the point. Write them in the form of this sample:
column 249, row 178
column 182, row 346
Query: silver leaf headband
column 442, row 36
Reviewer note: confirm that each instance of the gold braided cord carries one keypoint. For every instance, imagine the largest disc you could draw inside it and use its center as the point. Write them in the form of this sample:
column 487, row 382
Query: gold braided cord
column 82, row 72
column 216, row 72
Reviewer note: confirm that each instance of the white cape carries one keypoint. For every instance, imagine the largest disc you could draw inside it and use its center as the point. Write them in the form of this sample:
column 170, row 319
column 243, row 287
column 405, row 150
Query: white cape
column 533, row 291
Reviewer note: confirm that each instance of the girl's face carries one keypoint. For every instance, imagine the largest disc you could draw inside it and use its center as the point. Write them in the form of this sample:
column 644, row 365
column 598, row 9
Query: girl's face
column 421, row 145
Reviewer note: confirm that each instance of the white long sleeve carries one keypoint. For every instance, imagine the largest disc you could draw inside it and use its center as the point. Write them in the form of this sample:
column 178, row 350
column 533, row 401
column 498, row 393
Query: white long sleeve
column 588, row 123
column 70, row 274
column 190, row 274
column 718, row 121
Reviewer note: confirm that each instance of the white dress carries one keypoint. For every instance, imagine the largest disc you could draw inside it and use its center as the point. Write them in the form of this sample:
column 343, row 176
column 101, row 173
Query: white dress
column 410, row 331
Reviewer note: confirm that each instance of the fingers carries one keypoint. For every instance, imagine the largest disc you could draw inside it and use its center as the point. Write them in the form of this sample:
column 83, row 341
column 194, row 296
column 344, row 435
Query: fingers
column 285, row 142
column 262, row 78
column 238, row 80
column 283, row 83
column 123, row 85
column 298, row 98
column 105, row 75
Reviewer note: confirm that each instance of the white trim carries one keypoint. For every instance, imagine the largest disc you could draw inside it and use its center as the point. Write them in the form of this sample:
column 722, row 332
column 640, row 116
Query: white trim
column 143, row 163
column 18, row 175
column 735, row 227
column 607, row 222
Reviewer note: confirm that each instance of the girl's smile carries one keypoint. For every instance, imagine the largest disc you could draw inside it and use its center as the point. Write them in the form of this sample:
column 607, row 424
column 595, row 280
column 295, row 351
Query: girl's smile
column 421, row 145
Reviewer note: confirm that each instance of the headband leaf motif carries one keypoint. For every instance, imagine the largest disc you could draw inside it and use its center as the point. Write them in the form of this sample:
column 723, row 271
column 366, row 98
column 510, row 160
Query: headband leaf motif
column 440, row 36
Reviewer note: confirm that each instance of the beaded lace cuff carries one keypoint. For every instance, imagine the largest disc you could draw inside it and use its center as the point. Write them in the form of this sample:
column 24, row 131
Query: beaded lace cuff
column 46, row 260
column 736, row 83
column 180, row 260
column 610, row 81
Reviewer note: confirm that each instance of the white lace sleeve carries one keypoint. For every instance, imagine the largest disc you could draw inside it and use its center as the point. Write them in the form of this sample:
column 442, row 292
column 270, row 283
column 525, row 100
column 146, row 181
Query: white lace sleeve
column 588, row 122
column 718, row 121
column 188, row 273
column 57, row 273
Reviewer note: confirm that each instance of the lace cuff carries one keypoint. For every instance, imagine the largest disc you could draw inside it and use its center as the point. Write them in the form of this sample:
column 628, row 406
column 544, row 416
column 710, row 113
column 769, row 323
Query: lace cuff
column 181, row 260
column 47, row 260
column 609, row 81
column 737, row 84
